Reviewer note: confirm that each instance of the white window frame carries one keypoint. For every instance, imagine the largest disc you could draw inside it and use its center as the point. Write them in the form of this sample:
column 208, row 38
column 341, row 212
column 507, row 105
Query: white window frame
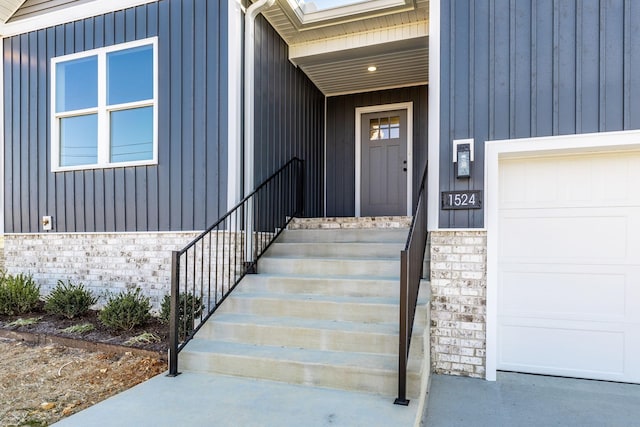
column 103, row 110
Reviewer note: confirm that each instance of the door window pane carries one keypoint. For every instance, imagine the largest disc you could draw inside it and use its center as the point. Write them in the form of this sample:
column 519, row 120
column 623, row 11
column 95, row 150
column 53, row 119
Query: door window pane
column 132, row 135
column 77, row 84
column 394, row 127
column 374, row 129
column 79, row 140
column 130, row 75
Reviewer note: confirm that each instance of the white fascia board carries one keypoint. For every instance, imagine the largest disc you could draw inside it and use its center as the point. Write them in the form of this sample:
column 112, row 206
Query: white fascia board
column 70, row 14
column 433, row 173
column 302, row 52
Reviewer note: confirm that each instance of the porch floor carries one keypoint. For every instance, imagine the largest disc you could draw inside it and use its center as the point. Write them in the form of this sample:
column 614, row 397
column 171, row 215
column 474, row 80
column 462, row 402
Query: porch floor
column 193, row 399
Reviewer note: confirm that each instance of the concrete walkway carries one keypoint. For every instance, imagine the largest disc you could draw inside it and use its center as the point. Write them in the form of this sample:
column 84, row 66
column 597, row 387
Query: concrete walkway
column 194, row 399
column 530, row 400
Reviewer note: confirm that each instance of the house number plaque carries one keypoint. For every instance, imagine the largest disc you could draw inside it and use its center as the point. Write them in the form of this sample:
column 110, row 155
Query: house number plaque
column 461, row 199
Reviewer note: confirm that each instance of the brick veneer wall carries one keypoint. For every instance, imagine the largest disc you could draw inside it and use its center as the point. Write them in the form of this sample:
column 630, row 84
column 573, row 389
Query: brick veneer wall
column 458, row 302
column 101, row 261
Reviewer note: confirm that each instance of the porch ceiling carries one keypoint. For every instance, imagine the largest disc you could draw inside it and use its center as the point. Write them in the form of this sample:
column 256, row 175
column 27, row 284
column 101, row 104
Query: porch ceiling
column 336, row 54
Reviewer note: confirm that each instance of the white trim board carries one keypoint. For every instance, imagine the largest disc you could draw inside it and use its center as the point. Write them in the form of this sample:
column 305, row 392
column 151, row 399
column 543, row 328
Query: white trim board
column 433, row 144
column 530, row 147
column 235, row 20
column 378, row 109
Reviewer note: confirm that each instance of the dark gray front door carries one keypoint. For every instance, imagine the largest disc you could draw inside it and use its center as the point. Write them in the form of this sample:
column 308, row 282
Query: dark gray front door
column 384, row 163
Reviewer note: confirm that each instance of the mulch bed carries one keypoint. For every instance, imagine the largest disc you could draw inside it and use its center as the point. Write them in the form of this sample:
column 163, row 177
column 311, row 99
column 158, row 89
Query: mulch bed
column 49, row 329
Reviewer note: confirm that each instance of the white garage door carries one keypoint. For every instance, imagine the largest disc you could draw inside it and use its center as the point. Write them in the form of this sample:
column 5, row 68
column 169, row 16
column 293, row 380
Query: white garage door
column 569, row 266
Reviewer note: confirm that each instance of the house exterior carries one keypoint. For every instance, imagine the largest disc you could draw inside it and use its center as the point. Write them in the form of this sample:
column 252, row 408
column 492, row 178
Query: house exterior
column 528, row 113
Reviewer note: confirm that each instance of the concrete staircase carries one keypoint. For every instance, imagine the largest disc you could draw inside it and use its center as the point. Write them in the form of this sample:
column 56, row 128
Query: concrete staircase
column 322, row 311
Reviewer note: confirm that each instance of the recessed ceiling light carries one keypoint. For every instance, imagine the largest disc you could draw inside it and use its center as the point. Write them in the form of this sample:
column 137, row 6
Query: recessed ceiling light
column 372, row 68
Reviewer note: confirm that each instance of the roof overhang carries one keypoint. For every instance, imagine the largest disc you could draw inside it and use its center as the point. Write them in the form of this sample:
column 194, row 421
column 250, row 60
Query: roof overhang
column 304, row 19
column 8, row 8
column 336, row 51
column 9, row 27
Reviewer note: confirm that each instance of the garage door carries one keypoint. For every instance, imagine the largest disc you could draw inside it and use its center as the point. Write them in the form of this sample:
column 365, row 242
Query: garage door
column 569, row 266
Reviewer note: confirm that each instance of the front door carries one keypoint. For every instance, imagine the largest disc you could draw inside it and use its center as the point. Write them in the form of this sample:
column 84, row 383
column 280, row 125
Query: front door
column 384, row 163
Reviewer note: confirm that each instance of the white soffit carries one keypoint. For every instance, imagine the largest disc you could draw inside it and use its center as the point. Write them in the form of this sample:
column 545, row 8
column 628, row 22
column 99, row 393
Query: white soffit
column 293, row 32
column 336, row 55
column 8, row 8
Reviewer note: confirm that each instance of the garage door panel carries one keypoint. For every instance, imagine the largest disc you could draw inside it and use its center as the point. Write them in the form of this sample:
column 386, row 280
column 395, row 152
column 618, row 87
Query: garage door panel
column 564, row 351
column 586, row 180
column 562, row 237
column 566, row 295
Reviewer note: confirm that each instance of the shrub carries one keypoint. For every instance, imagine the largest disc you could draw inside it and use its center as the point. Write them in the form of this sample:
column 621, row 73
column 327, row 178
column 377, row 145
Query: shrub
column 79, row 329
column 18, row 294
column 189, row 308
column 126, row 310
column 69, row 300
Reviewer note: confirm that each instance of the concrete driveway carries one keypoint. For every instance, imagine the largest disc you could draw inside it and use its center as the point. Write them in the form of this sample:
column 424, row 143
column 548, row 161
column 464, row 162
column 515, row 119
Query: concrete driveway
column 530, row 400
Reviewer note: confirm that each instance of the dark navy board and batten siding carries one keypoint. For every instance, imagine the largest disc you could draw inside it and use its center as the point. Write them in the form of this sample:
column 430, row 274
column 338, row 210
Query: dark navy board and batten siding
column 341, row 150
column 528, row 68
column 186, row 190
column 289, row 116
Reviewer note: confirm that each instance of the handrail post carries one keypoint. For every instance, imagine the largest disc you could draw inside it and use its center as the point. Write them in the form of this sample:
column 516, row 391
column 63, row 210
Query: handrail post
column 173, row 319
column 301, row 185
column 249, row 254
column 402, row 349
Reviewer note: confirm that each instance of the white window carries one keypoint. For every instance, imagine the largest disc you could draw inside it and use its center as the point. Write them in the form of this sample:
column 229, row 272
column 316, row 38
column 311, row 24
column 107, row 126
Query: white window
column 104, row 107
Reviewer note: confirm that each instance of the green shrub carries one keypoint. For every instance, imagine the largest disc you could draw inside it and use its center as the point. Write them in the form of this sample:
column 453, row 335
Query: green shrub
column 18, row 294
column 126, row 310
column 69, row 300
column 190, row 307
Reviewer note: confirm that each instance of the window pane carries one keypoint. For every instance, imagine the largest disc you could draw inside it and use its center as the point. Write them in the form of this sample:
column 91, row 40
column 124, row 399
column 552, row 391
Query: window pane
column 130, row 75
column 374, row 129
column 132, row 135
column 394, row 132
column 77, row 84
column 79, row 140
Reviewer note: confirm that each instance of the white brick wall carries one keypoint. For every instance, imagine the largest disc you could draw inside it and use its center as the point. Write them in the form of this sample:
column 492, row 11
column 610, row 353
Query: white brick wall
column 101, row 261
column 458, row 302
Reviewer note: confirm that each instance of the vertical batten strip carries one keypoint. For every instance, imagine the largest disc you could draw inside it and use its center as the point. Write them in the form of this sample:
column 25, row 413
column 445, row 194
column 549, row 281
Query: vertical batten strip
column 512, row 68
column 626, row 61
column 492, row 69
column 578, row 48
column 556, row 68
column 602, row 101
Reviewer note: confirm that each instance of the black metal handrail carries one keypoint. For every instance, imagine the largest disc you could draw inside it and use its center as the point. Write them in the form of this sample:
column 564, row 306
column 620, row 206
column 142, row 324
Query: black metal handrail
column 411, row 263
column 205, row 271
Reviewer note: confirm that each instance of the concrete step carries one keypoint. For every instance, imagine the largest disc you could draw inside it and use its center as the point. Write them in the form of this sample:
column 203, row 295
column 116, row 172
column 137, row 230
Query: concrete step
column 329, row 266
column 322, row 285
column 335, row 250
column 367, row 372
column 343, row 235
column 323, row 311
column 314, row 306
column 308, row 333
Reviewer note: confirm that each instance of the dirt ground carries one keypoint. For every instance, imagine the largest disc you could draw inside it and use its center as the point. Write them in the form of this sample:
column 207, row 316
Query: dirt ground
column 41, row 384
